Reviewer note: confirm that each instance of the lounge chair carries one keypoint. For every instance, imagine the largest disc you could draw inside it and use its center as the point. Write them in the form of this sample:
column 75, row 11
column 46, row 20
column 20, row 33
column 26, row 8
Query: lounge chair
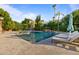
column 66, row 37
column 25, row 32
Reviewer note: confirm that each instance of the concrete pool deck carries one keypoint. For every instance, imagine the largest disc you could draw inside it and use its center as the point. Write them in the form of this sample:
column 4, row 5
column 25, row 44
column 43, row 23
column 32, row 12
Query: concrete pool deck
column 10, row 44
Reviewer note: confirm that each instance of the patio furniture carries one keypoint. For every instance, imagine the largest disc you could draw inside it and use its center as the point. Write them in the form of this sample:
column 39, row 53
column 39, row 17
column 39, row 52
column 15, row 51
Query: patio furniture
column 25, row 32
column 66, row 38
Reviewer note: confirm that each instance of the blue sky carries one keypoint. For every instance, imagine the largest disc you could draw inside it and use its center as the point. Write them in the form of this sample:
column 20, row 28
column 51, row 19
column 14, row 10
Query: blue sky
column 20, row 11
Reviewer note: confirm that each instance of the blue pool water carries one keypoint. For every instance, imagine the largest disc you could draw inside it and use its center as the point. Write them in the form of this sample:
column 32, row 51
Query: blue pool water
column 38, row 36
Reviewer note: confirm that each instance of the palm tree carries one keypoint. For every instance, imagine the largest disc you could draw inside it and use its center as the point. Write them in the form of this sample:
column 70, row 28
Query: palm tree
column 54, row 7
column 38, row 23
column 59, row 14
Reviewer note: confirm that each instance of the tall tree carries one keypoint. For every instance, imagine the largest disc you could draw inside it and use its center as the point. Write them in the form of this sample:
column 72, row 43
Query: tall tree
column 38, row 23
column 16, row 26
column 26, row 24
column 59, row 14
column 76, row 19
column 54, row 7
column 52, row 25
column 1, row 12
column 7, row 22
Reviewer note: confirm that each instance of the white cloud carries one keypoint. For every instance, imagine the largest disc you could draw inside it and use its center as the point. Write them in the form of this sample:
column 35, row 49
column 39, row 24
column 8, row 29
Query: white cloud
column 16, row 14
column 74, row 7
column 30, row 15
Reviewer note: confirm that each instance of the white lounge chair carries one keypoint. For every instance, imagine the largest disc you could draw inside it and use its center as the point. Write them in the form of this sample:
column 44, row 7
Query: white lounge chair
column 66, row 37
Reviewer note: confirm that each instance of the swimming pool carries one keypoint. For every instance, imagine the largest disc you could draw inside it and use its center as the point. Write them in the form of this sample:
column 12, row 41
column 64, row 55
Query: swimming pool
column 38, row 36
